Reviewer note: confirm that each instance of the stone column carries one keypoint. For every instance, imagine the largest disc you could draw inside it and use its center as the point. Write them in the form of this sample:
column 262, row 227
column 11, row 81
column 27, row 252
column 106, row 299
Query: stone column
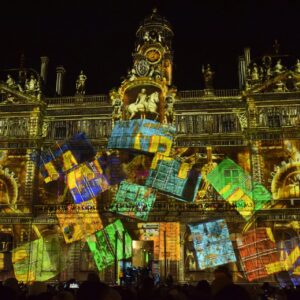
column 60, row 73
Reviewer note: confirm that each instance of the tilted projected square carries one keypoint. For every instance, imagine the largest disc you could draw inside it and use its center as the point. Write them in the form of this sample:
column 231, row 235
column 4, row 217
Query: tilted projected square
column 133, row 200
column 107, row 244
column 174, row 178
column 86, row 181
column 39, row 260
column 258, row 252
column 80, row 221
column 212, row 244
column 237, row 187
column 142, row 134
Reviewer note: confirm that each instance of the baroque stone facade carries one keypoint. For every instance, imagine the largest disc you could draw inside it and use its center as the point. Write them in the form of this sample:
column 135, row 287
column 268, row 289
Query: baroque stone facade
column 256, row 125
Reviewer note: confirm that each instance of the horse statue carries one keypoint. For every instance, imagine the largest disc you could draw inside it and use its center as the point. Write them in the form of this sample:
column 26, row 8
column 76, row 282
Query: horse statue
column 139, row 106
column 153, row 100
column 144, row 104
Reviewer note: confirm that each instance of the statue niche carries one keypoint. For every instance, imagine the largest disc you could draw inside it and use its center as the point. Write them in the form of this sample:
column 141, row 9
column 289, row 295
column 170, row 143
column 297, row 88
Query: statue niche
column 146, row 105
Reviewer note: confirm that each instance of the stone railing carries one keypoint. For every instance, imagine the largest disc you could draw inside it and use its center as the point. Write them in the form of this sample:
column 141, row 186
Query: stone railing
column 78, row 99
column 194, row 94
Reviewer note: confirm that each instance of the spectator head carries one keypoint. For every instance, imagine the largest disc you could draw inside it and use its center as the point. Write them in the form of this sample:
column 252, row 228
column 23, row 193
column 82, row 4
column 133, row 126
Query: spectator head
column 93, row 277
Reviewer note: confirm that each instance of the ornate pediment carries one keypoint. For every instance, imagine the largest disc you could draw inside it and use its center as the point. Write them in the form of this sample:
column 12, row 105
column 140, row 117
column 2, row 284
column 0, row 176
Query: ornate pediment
column 288, row 81
column 265, row 77
column 16, row 95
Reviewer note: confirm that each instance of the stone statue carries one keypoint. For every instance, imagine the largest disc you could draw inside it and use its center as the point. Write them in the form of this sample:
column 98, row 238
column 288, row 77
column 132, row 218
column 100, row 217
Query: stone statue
column 117, row 105
column 143, row 104
column 32, row 85
column 45, row 128
column 141, row 97
column 208, row 75
column 155, row 73
column 278, row 67
column 169, row 107
column 146, row 36
column 80, row 83
column 160, row 37
column 132, row 75
column 254, row 73
column 280, row 87
column 152, row 104
column 10, row 81
column 139, row 105
column 297, row 66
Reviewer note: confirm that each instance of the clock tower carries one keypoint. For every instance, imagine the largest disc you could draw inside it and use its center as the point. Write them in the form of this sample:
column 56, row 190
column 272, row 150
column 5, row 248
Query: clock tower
column 145, row 93
column 153, row 56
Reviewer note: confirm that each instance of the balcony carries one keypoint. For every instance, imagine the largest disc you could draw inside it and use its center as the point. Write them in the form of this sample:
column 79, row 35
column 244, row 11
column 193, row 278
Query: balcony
column 89, row 99
column 220, row 94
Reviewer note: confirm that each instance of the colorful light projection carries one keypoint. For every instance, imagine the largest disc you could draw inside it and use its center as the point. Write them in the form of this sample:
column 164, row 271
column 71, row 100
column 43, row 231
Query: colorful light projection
column 177, row 179
column 285, row 181
column 65, row 157
column 289, row 260
column 237, row 187
column 161, row 233
column 142, row 134
column 112, row 168
column 107, row 244
column 133, row 200
column 39, row 260
column 169, row 233
column 79, row 221
column 258, row 252
column 86, row 181
column 12, row 176
column 212, row 244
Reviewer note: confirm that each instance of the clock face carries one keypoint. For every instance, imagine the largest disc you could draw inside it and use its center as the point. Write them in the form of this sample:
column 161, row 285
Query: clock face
column 142, row 68
column 153, row 55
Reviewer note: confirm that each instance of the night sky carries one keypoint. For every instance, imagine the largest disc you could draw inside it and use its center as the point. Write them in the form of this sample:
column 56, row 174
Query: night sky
column 98, row 36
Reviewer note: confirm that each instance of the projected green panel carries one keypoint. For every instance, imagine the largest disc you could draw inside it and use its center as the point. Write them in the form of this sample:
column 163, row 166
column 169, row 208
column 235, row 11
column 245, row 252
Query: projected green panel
column 39, row 260
column 237, row 187
column 133, row 200
column 108, row 243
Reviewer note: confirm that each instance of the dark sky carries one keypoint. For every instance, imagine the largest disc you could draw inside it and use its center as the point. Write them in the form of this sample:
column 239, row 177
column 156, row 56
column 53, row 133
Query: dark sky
column 98, row 36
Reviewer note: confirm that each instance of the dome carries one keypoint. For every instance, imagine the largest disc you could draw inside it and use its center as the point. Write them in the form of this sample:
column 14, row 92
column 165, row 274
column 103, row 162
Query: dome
column 155, row 22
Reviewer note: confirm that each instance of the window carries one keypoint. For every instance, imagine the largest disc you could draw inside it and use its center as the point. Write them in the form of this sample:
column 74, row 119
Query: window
column 60, row 130
column 228, row 123
column 3, row 127
column 231, row 176
column 274, row 120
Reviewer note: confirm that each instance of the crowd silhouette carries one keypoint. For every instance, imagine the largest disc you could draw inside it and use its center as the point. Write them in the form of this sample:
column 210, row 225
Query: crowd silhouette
column 147, row 288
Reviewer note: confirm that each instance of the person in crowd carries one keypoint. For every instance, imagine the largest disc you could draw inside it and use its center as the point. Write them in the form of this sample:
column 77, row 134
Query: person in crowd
column 91, row 290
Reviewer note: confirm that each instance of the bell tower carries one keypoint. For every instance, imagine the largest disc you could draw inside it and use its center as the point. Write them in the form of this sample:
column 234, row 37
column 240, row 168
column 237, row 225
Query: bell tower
column 153, row 54
column 146, row 90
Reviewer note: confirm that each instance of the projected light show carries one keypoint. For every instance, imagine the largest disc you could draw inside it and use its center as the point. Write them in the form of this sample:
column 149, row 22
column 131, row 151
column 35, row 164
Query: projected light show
column 174, row 178
column 133, row 200
column 107, row 244
column 79, row 221
column 196, row 180
column 162, row 234
column 143, row 135
column 212, row 244
column 237, row 187
column 38, row 260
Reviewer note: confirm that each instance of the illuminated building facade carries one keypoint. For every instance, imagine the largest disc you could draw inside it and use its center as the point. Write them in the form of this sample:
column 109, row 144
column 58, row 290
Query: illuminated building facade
column 234, row 163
